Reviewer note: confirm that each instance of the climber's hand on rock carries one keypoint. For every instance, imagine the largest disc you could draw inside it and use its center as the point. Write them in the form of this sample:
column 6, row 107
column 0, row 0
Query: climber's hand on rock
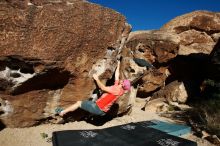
column 95, row 77
column 119, row 57
column 118, row 63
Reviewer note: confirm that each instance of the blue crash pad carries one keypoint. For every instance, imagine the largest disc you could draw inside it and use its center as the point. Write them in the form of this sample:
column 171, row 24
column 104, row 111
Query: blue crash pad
column 169, row 128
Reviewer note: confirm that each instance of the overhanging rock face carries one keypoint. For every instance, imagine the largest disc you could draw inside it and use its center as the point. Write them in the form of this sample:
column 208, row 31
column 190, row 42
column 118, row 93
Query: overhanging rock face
column 48, row 54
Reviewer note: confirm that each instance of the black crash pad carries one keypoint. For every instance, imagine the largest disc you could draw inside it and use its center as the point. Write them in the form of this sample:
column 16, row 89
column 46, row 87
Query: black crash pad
column 132, row 134
column 85, row 138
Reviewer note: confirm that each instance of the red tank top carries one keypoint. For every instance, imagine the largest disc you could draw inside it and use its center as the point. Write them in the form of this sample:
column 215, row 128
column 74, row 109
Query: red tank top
column 106, row 102
column 107, row 99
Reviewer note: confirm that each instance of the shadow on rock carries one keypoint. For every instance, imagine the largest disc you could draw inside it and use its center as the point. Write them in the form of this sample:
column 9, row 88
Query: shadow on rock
column 2, row 125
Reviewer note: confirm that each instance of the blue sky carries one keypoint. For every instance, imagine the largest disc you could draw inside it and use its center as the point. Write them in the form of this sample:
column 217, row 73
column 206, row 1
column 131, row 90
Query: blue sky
column 152, row 14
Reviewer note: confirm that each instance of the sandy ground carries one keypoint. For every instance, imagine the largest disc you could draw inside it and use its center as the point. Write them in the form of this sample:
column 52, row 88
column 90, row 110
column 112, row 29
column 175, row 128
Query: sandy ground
column 32, row 137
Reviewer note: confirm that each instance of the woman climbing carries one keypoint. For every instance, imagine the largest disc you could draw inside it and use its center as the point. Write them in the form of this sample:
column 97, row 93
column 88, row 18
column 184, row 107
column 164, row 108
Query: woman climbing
column 109, row 96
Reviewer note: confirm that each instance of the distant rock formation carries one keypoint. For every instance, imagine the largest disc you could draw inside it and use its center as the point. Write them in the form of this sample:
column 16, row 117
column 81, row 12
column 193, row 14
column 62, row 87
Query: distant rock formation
column 198, row 31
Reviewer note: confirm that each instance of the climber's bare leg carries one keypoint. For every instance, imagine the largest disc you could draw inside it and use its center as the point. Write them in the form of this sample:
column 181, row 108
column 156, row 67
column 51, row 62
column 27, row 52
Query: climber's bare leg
column 71, row 108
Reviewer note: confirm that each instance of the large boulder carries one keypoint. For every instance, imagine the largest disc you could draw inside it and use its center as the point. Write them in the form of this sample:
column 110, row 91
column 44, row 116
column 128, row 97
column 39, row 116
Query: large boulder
column 198, row 31
column 174, row 92
column 49, row 52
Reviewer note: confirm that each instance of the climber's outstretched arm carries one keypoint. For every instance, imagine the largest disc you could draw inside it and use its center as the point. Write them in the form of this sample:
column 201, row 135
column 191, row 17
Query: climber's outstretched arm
column 117, row 71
